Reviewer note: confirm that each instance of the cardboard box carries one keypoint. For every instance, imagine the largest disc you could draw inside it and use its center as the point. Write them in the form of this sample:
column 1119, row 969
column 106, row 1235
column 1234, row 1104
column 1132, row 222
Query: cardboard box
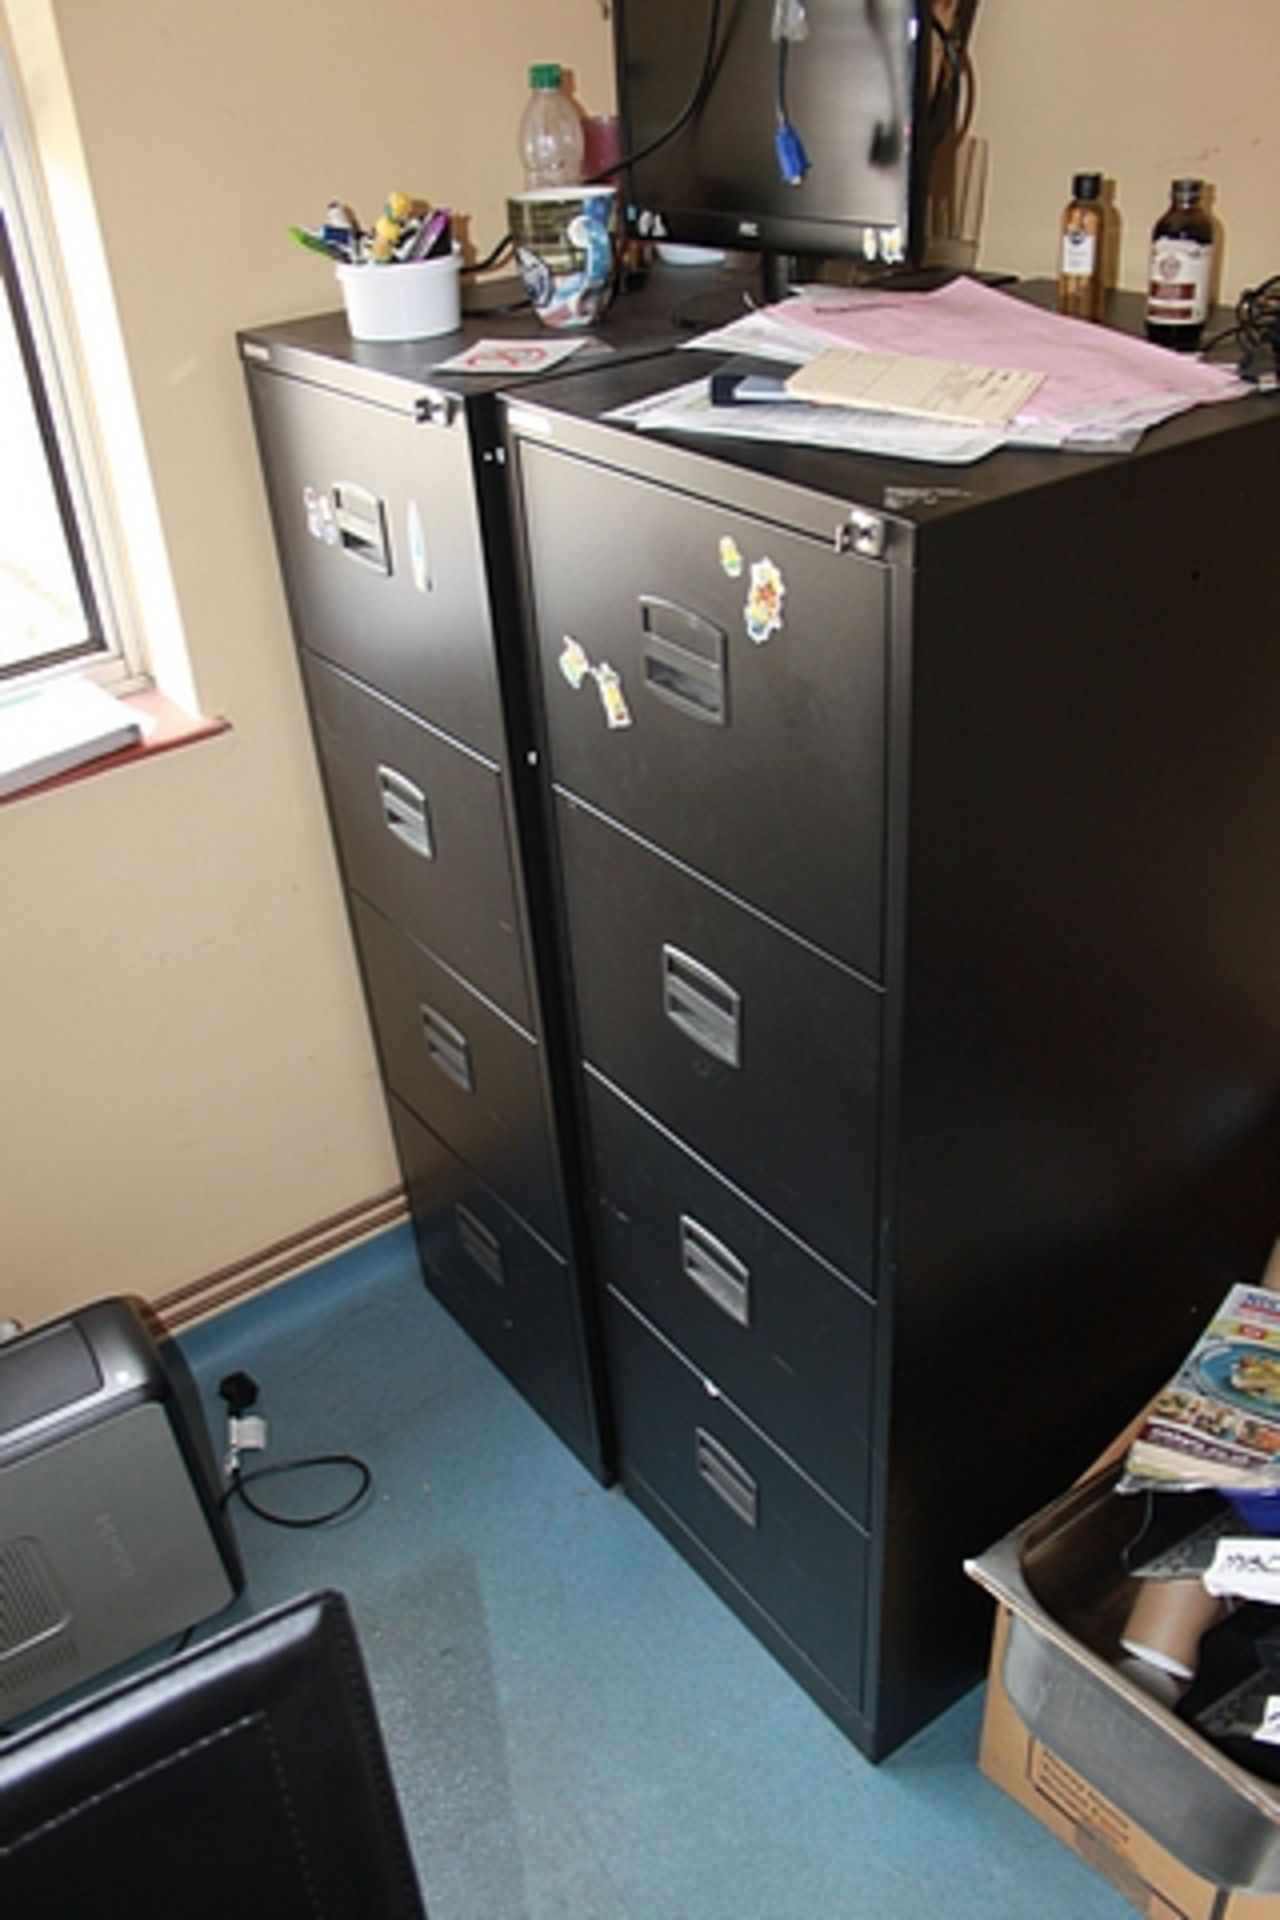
column 1176, row 1826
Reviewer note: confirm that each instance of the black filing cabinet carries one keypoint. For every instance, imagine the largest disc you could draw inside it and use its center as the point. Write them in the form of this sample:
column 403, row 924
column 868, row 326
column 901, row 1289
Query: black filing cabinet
column 387, row 502
column 914, row 855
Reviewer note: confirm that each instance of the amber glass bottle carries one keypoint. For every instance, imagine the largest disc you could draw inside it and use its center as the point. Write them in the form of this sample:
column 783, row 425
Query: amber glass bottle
column 1181, row 265
column 1080, row 288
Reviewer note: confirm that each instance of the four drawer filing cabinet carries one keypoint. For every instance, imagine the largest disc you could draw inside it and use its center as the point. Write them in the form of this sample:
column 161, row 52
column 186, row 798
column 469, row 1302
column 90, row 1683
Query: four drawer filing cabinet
column 819, row 924
column 915, row 840
column 388, row 510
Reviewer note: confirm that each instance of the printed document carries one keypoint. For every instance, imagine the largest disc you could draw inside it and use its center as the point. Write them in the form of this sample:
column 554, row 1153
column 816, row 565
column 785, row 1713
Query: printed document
column 956, row 390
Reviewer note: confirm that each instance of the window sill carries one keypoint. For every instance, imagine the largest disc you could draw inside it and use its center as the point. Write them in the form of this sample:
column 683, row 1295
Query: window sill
column 170, row 727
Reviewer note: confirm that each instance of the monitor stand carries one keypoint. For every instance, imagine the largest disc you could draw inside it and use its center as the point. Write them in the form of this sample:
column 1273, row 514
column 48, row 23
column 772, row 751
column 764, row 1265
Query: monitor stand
column 735, row 291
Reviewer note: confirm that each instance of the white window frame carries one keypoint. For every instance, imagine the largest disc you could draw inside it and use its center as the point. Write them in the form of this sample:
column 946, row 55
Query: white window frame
column 119, row 660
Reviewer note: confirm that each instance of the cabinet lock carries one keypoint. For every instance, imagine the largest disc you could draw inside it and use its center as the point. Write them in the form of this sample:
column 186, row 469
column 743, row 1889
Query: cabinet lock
column 861, row 533
column 435, row 409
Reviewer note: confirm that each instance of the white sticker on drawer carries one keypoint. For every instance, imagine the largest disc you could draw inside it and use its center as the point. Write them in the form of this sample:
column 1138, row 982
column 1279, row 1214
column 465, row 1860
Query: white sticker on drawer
column 416, row 538
column 614, row 701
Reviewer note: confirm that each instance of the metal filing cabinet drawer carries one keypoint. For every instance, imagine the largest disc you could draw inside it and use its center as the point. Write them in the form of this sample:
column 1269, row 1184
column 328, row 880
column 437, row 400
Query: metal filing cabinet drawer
column 419, row 821
column 750, row 1046
column 785, row 1339
column 708, row 727
column 469, row 1072
column 784, row 1544
column 498, row 1279
column 375, row 519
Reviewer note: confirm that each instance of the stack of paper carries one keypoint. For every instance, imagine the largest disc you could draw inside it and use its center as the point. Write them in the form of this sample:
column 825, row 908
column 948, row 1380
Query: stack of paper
column 688, row 409
column 50, row 729
column 1097, row 391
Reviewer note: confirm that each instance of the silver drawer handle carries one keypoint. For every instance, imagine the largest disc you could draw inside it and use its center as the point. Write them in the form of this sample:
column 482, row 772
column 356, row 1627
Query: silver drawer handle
column 683, row 659
column 726, row 1477
column 362, row 525
column 715, row 1270
column 405, row 812
column 704, row 1007
column 480, row 1245
column 448, row 1049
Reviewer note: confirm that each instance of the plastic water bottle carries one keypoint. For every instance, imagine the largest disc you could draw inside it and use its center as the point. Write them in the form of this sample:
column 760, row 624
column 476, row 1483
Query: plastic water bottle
column 551, row 139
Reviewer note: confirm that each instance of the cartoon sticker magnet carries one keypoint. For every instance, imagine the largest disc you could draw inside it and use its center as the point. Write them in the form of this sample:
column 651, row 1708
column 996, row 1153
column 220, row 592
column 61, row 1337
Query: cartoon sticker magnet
column 614, row 701
column 730, row 556
column 763, row 611
column 574, row 664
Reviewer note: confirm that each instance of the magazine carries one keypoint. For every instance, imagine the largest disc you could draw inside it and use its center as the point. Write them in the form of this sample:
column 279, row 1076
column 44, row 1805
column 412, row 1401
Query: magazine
column 1217, row 1423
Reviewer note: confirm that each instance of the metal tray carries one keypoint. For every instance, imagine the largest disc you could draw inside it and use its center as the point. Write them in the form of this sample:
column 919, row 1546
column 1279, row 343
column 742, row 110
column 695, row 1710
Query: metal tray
column 1063, row 1580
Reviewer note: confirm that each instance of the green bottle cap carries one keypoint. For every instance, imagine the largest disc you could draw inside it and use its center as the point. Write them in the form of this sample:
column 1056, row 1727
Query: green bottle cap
column 545, row 74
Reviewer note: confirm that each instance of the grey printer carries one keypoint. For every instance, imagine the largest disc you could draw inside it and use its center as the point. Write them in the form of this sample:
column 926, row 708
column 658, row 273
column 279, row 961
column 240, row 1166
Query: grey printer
column 111, row 1534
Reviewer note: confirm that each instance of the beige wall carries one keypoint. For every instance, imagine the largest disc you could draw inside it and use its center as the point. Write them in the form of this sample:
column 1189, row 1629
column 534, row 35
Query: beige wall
column 185, row 1067
column 1142, row 91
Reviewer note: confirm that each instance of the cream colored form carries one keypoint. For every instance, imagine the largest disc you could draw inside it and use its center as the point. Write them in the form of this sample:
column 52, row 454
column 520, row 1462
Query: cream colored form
column 185, row 1061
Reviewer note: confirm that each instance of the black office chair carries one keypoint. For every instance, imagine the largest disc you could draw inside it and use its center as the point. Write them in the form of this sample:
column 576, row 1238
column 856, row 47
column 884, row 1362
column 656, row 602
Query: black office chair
column 246, row 1776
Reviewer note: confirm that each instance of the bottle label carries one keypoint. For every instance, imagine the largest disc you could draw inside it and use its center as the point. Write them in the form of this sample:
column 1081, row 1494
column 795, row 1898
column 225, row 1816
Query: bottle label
column 1178, row 292
column 1079, row 254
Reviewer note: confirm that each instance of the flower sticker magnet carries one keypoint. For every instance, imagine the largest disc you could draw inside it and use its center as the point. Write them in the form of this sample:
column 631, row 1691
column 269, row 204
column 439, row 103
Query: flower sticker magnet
column 763, row 611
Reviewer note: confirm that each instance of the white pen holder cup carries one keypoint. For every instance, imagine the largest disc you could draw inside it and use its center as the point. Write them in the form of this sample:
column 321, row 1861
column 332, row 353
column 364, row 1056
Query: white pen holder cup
column 413, row 300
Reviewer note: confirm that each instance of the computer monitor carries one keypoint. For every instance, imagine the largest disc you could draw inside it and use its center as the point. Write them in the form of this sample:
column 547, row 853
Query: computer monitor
column 817, row 145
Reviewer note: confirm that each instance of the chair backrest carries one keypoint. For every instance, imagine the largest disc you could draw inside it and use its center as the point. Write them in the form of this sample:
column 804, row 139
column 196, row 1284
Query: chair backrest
column 247, row 1775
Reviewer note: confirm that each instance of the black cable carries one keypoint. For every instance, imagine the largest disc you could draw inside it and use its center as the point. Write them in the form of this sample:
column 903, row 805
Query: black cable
column 693, row 104
column 240, row 1392
column 493, row 256
column 240, row 1482
column 496, row 312
column 942, row 116
column 1256, row 326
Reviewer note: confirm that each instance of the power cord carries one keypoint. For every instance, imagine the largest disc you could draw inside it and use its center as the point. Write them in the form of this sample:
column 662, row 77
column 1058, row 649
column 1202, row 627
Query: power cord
column 246, row 1430
column 1256, row 328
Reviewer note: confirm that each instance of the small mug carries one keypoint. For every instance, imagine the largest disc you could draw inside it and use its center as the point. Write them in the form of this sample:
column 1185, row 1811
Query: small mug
column 564, row 245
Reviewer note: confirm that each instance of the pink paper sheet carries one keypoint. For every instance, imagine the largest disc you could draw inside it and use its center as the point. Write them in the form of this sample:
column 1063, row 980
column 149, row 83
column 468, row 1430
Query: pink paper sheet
column 1090, row 369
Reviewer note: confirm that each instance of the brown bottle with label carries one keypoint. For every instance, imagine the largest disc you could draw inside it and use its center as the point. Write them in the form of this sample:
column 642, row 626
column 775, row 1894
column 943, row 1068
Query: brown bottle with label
column 1181, row 267
column 1080, row 288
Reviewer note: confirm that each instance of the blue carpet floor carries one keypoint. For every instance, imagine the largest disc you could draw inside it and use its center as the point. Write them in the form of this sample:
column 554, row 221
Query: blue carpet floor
column 579, row 1729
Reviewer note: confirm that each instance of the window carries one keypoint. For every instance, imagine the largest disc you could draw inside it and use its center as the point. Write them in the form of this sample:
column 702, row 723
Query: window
column 48, row 609
column 60, row 601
